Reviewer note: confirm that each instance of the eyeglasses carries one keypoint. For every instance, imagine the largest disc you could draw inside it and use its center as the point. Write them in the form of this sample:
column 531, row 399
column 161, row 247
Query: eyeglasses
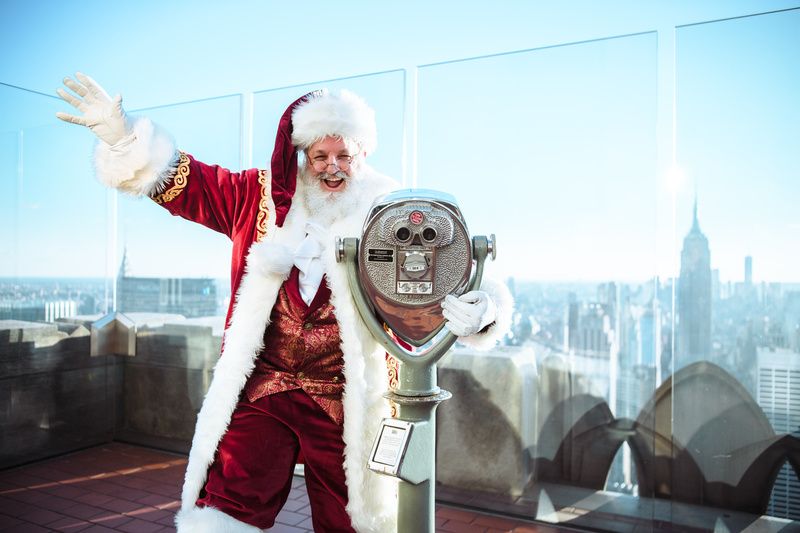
column 342, row 162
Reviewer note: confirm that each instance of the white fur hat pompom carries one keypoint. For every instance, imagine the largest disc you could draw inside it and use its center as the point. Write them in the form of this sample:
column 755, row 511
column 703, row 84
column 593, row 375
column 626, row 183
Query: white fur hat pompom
column 343, row 114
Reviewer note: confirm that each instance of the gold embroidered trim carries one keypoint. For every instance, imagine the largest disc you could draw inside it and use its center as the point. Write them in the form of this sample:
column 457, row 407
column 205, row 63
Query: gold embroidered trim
column 179, row 182
column 392, row 367
column 263, row 213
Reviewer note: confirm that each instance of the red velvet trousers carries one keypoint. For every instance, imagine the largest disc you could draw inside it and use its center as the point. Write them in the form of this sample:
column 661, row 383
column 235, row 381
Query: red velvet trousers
column 251, row 475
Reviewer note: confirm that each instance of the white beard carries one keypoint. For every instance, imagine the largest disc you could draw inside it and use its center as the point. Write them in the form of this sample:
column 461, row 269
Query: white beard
column 327, row 207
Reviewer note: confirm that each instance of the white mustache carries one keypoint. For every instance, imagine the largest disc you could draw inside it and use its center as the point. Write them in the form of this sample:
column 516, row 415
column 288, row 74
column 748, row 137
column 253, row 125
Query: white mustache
column 337, row 175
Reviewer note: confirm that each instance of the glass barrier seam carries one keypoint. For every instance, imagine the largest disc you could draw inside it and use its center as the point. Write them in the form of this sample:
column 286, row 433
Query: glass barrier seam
column 539, row 48
column 786, row 10
column 197, row 101
column 29, row 90
column 317, row 82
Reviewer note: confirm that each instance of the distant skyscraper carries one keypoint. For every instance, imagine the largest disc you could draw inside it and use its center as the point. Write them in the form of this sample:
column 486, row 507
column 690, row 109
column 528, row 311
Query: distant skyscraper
column 748, row 270
column 716, row 286
column 60, row 309
column 571, row 322
column 190, row 297
column 589, row 327
column 646, row 332
column 779, row 398
column 791, row 320
column 694, row 298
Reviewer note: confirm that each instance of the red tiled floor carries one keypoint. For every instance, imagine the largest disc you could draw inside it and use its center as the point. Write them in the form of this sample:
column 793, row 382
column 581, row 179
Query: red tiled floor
column 69, row 525
column 119, row 487
column 7, row 521
column 41, row 517
column 495, row 522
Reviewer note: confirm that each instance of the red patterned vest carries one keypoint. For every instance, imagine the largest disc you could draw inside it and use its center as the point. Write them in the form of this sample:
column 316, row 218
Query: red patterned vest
column 301, row 350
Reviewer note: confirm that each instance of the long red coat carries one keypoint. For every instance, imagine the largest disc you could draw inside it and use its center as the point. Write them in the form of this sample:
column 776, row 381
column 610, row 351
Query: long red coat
column 240, row 206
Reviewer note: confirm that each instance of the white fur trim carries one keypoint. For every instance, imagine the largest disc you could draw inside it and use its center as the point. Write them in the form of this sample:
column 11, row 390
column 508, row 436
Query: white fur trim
column 243, row 342
column 504, row 302
column 210, row 520
column 271, row 258
column 141, row 164
column 343, row 114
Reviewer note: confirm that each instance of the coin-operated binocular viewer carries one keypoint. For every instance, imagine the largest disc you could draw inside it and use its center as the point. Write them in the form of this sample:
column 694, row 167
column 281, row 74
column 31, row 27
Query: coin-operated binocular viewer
column 414, row 250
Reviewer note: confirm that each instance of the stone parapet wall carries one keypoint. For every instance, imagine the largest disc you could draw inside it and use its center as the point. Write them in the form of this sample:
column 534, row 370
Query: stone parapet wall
column 165, row 383
column 484, row 430
column 54, row 397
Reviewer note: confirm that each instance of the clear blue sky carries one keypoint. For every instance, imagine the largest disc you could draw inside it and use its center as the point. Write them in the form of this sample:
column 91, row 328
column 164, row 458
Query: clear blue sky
column 561, row 150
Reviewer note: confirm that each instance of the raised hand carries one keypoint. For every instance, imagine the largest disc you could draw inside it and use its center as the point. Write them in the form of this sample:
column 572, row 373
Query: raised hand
column 102, row 114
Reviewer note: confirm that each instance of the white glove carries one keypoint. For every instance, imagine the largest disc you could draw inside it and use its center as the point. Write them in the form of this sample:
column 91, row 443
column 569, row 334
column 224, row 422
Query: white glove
column 104, row 116
column 469, row 313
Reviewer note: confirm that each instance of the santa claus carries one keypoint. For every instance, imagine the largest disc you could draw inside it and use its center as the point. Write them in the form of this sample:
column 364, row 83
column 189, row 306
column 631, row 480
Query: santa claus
column 299, row 377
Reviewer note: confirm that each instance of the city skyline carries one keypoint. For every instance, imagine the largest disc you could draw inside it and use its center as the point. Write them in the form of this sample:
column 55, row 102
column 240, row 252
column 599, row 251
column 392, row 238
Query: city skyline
column 748, row 264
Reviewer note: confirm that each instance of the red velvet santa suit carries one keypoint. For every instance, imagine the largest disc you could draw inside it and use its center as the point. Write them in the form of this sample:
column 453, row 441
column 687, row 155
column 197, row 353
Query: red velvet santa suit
column 292, row 404
column 241, row 206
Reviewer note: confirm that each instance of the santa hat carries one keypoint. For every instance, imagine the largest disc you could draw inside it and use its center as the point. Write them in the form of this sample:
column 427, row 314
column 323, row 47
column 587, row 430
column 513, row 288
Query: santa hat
column 309, row 119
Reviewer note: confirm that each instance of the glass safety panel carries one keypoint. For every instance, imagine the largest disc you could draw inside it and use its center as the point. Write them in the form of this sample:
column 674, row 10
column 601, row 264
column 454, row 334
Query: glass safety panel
column 53, row 283
column 735, row 388
column 554, row 150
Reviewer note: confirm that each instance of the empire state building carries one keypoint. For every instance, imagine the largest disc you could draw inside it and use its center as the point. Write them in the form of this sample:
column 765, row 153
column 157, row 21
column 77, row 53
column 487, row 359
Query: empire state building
column 694, row 298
